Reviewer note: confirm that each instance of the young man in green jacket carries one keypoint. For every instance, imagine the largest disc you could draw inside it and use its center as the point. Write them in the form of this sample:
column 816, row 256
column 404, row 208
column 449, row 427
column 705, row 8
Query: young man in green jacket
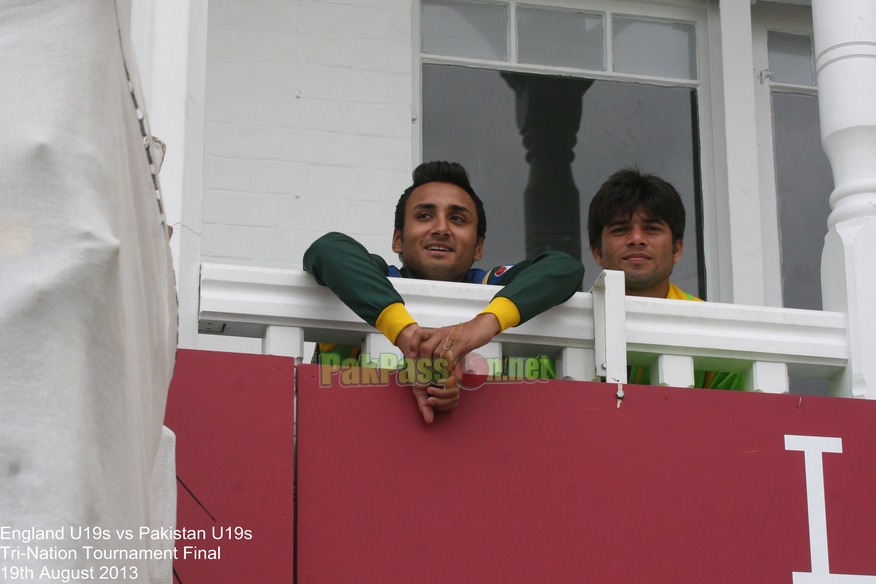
column 440, row 226
column 636, row 224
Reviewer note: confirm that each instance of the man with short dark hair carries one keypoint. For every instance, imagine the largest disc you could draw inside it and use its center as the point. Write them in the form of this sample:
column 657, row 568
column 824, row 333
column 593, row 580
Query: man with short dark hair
column 636, row 225
column 440, row 226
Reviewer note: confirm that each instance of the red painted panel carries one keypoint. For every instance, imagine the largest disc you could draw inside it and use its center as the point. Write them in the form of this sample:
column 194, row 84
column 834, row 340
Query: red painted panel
column 233, row 419
column 552, row 482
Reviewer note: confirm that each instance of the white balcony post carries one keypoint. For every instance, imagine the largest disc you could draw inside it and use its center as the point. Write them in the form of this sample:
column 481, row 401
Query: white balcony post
column 376, row 344
column 287, row 341
column 610, row 326
column 673, row 370
column 492, row 350
column 576, row 363
column 845, row 48
column 767, row 377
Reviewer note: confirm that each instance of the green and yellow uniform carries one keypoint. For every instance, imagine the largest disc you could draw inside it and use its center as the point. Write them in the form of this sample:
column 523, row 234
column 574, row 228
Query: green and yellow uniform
column 359, row 279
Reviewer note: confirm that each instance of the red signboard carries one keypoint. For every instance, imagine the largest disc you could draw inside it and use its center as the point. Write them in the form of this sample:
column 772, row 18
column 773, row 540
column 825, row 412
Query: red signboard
column 233, row 418
column 553, row 482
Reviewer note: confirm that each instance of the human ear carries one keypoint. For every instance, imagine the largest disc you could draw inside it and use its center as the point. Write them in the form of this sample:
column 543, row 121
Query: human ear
column 396, row 241
column 678, row 247
column 597, row 255
column 479, row 249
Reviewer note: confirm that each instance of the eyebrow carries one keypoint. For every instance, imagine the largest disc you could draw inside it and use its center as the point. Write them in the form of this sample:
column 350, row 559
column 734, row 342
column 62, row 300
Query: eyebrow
column 433, row 206
column 649, row 220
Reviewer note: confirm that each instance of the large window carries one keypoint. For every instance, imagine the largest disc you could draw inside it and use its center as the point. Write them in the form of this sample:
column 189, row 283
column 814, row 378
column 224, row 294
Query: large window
column 542, row 104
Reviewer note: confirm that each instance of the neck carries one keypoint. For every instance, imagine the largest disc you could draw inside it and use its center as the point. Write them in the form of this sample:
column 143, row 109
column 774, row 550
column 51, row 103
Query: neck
column 658, row 291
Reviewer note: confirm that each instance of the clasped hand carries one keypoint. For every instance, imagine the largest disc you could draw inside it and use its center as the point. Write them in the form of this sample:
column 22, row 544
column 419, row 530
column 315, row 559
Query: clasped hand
column 422, row 343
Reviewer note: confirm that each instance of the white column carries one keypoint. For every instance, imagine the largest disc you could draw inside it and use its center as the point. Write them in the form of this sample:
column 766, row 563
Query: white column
column 170, row 38
column 740, row 129
column 845, row 49
column 610, row 326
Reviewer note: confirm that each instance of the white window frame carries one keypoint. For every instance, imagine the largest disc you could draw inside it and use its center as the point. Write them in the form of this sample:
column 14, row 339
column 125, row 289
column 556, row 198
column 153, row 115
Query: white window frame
column 766, row 17
column 704, row 16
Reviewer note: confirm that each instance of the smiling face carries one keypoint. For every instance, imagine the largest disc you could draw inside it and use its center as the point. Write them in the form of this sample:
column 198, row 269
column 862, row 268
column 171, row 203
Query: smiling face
column 440, row 240
column 641, row 246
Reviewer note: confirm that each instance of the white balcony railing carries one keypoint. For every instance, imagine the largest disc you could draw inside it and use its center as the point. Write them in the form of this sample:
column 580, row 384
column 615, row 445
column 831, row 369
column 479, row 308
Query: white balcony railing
column 592, row 335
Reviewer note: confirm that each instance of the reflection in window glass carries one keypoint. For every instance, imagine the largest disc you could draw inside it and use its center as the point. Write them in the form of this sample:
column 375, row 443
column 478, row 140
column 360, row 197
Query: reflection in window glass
column 803, row 185
column 790, row 58
column 659, row 49
column 471, row 116
column 464, row 29
column 560, row 39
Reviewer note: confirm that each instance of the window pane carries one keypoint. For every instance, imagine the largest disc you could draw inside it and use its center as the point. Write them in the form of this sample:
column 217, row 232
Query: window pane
column 790, row 58
column 473, row 116
column 661, row 49
column 464, row 29
column 560, row 39
column 803, row 183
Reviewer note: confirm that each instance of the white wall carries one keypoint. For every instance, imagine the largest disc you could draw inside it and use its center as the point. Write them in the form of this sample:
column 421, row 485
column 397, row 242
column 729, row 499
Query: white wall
column 308, row 125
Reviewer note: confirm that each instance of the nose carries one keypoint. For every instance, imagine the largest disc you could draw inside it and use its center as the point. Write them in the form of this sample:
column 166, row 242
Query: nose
column 636, row 235
column 440, row 225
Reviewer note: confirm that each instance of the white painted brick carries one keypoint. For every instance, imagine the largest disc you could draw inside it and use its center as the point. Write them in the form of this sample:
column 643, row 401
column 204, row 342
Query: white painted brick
column 227, row 242
column 243, row 209
column 332, row 182
column 284, row 111
column 391, row 19
column 256, row 109
column 286, row 178
column 225, row 74
column 306, row 80
column 261, row 176
column 354, row 86
column 381, row 180
column 256, row 44
column 285, row 248
column 361, row 54
column 333, row 214
column 367, row 151
column 345, row 117
column 308, row 128
column 249, row 142
column 382, row 120
column 366, row 185
column 268, row 14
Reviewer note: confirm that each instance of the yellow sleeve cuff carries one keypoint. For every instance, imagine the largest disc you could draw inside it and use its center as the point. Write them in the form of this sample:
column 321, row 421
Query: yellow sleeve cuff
column 505, row 311
column 393, row 320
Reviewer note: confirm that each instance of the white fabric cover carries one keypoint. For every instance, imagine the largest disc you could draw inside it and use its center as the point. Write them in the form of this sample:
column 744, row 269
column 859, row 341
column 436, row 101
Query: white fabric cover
column 87, row 302
column 162, row 497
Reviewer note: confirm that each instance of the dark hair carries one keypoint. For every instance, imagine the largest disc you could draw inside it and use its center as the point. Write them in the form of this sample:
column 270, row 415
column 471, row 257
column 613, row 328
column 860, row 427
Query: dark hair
column 446, row 172
column 627, row 190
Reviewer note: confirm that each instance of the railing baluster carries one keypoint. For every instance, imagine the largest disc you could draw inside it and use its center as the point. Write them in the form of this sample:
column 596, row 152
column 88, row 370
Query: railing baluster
column 576, row 363
column 377, row 344
column 287, row 341
column 767, row 377
column 673, row 370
